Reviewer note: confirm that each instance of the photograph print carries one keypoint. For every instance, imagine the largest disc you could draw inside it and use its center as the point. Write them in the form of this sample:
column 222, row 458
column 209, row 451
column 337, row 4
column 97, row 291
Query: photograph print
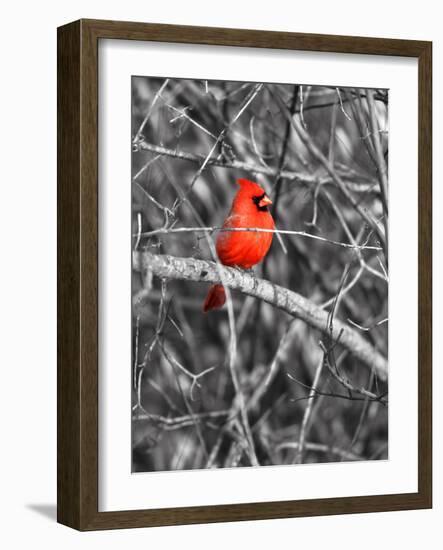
column 259, row 258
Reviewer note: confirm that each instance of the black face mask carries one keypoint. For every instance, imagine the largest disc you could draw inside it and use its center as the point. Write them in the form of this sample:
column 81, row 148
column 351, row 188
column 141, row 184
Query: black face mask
column 257, row 200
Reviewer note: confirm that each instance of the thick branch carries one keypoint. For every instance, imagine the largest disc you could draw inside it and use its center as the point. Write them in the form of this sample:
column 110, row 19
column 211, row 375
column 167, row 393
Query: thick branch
column 296, row 305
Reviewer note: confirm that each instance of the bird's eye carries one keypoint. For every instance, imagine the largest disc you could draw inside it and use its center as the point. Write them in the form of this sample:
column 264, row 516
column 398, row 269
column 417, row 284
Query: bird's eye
column 265, row 201
column 262, row 201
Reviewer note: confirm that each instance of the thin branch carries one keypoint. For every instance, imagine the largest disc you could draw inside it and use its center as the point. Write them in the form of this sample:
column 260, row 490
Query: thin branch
column 280, row 357
column 366, row 329
column 145, row 167
column 151, row 108
column 379, row 158
column 179, row 422
column 137, row 334
column 350, row 236
column 356, row 104
column 194, row 377
column 318, row 447
column 329, row 350
column 239, row 397
column 307, row 414
column 165, row 230
column 249, row 167
column 341, row 104
column 315, row 151
column 254, row 143
column 334, row 395
column 139, row 230
column 183, row 114
column 344, row 381
column 302, row 117
column 219, row 139
column 332, row 135
column 167, row 213
column 279, row 178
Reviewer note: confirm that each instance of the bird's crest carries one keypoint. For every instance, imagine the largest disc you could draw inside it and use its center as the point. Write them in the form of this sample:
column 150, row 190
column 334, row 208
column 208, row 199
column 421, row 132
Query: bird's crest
column 248, row 184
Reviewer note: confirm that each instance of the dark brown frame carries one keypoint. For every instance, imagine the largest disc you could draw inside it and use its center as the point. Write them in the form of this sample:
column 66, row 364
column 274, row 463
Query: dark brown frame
column 77, row 455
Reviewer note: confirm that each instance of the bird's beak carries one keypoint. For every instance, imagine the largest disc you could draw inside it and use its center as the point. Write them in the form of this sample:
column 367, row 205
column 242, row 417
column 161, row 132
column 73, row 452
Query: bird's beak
column 265, row 201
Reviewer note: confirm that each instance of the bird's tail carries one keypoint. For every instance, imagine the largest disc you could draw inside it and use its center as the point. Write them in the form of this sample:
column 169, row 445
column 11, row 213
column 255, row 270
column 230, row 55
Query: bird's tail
column 215, row 298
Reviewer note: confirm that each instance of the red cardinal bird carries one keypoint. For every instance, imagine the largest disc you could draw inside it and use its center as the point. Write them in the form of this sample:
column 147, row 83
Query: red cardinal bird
column 243, row 248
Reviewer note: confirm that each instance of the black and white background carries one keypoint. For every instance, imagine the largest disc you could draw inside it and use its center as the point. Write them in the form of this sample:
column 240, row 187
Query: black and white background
column 259, row 386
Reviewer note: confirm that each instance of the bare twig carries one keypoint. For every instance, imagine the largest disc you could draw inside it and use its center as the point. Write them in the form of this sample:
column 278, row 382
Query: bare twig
column 194, row 377
column 137, row 330
column 379, row 158
column 312, row 147
column 332, row 135
column 313, row 222
column 151, row 108
column 315, row 151
column 341, row 104
column 279, row 358
column 145, row 167
column 347, row 455
column 302, row 116
column 179, row 422
column 239, row 398
column 139, row 230
column 249, row 167
column 166, row 211
column 165, row 230
column 256, row 89
column 344, row 381
column 349, row 396
column 350, row 236
column 331, row 342
column 254, row 143
column 307, row 414
column 182, row 114
column 366, row 329
column 383, row 268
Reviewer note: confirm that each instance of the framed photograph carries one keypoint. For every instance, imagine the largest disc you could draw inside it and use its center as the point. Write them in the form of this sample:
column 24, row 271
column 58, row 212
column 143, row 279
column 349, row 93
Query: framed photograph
column 244, row 274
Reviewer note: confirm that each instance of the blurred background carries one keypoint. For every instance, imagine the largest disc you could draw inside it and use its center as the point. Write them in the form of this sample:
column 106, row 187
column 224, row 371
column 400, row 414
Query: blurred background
column 321, row 153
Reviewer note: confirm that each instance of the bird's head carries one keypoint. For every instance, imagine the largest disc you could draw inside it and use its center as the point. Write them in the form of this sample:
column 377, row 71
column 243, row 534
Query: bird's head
column 252, row 191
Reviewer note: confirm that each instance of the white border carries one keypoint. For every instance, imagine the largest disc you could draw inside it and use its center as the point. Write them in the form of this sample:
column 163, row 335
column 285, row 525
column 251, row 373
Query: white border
column 118, row 488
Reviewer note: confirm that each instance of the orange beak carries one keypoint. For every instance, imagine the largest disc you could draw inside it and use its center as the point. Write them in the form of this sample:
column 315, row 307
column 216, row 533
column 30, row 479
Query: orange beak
column 265, row 201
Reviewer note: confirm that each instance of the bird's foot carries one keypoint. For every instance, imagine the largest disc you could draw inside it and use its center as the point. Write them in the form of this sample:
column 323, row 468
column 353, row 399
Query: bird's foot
column 250, row 272
column 247, row 270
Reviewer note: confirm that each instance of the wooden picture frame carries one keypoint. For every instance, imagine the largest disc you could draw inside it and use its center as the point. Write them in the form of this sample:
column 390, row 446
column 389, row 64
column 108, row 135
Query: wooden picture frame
column 78, row 274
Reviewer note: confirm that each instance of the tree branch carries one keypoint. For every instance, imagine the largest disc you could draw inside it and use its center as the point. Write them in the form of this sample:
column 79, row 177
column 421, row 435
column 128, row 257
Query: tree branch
column 294, row 304
column 316, row 152
column 169, row 230
column 309, row 179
